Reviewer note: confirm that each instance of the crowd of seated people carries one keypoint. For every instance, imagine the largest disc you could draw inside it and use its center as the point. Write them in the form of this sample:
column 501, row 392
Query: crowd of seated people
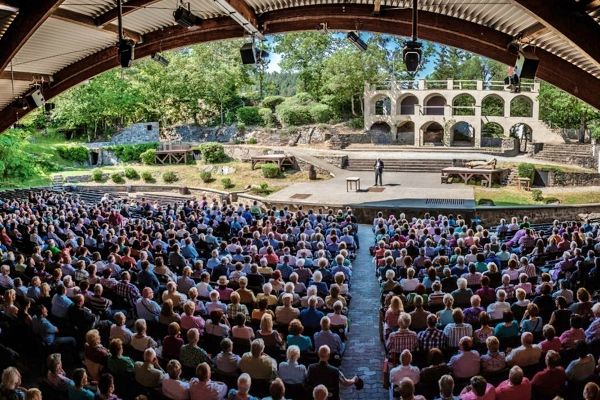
column 198, row 300
column 507, row 312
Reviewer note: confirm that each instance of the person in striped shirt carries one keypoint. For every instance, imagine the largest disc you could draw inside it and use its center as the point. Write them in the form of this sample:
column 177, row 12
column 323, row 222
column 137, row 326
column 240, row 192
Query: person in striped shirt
column 457, row 329
column 403, row 338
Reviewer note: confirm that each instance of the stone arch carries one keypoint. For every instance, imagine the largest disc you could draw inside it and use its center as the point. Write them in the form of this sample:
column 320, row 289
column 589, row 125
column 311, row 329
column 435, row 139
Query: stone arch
column 406, row 133
column 492, row 130
column 463, row 104
column 380, row 127
column 521, row 106
column 381, row 104
column 407, row 104
column 492, row 105
column 521, row 131
column 434, row 104
column 462, row 134
column 432, row 134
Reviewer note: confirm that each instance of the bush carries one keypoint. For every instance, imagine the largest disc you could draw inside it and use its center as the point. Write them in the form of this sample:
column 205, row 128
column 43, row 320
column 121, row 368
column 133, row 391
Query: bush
column 266, row 115
column 206, row 176
column 270, row 170
column 117, row 178
column 536, row 195
column 551, row 200
column 294, row 114
column 212, row 152
column 131, row 173
column 132, row 152
column 227, row 184
column 320, row 113
column 252, row 140
column 241, row 127
column 46, row 164
column 148, row 157
column 526, row 170
column 263, row 188
column 248, row 115
column 97, row 175
column 147, row 177
column 170, row 177
column 356, row 123
column 272, row 101
column 74, row 153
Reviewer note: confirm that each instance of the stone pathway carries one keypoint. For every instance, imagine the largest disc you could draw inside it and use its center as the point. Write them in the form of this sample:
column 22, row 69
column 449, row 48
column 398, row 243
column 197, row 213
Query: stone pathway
column 364, row 353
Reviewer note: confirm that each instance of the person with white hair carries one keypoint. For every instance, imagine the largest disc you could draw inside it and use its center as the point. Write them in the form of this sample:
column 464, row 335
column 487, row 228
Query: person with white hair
column 326, row 337
column 149, row 373
column 404, row 370
column 403, row 338
column 203, row 388
column 497, row 309
column 243, row 389
column 525, row 355
column 286, row 313
column 320, row 392
column 290, row 371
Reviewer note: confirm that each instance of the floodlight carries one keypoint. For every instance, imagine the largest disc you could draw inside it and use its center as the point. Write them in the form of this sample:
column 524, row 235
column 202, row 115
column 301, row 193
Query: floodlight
column 357, row 41
column 184, row 17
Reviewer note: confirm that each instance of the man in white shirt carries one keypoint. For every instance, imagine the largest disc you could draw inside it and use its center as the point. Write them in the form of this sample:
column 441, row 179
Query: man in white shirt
column 404, row 370
column 203, row 388
column 173, row 387
column 525, row 355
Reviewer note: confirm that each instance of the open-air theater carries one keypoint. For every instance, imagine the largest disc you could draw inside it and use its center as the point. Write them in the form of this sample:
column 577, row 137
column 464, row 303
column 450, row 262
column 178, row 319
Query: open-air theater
column 213, row 298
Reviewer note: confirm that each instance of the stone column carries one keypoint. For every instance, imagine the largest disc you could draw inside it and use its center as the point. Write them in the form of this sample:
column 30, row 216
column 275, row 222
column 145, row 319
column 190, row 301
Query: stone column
column 477, row 133
column 394, row 132
column 450, row 84
column 421, row 84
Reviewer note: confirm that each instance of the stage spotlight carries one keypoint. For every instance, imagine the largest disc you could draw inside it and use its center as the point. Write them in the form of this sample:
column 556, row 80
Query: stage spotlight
column 160, row 59
column 411, row 54
column 184, row 17
column 357, row 41
column 251, row 55
column 126, row 52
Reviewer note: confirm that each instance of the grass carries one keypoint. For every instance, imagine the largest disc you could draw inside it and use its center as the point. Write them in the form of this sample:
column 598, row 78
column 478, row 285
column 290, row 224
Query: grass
column 577, row 197
column 544, row 167
column 505, row 196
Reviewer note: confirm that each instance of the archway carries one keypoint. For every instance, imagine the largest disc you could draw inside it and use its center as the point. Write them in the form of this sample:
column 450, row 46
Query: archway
column 406, row 134
column 382, row 105
column 492, row 105
column 462, row 134
column 463, row 104
column 380, row 133
column 408, row 105
column 521, row 106
column 491, row 135
column 521, row 131
column 433, row 134
column 434, row 105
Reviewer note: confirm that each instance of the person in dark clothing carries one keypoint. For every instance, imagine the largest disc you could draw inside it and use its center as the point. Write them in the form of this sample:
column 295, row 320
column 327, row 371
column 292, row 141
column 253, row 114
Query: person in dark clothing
column 322, row 373
column 378, row 172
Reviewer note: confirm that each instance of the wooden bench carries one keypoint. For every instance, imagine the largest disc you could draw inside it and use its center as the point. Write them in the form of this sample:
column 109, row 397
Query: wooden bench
column 282, row 160
column 173, row 153
column 487, row 175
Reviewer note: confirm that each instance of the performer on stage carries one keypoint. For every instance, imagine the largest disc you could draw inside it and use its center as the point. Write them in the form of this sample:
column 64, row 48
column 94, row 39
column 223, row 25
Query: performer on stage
column 378, row 172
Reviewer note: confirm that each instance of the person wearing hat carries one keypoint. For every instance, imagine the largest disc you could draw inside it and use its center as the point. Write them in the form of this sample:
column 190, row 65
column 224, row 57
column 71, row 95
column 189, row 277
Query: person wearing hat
column 224, row 291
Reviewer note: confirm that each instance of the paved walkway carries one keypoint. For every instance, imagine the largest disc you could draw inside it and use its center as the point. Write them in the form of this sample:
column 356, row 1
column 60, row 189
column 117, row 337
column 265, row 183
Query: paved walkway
column 364, row 353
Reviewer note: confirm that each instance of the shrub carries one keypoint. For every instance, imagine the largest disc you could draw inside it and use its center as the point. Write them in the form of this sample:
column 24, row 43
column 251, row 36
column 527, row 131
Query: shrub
column 75, row 153
column 551, row 200
column 320, row 113
column 170, row 177
column 262, row 188
column 131, row 173
column 356, row 123
column 272, row 101
column 117, row 178
column 248, row 115
column 294, row 114
column 213, row 152
column 147, row 177
column 252, row 140
column 148, row 157
column 132, row 152
column 536, row 195
column 45, row 162
column 227, row 184
column 241, row 127
column 266, row 115
column 526, row 170
column 206, row 176
column 97, row 175
column 270, row 170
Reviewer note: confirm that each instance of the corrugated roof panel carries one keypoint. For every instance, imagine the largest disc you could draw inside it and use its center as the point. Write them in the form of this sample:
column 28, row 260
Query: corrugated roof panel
column 57, row 44
column 6, row 91
column 92, row 8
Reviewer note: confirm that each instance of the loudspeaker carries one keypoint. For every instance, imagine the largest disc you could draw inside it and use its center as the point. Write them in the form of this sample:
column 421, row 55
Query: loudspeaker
column 526, row 65
column 248, row 54
column 35, row 99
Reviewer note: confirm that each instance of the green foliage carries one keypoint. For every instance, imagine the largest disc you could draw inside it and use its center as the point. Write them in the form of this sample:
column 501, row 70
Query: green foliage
column 212, row 152
column 15, row 162
column 147, row 177
column 457, row 64
column 526, row 170
column 170, row 177
column 270, row 170
column 132, row 152
column 293, row 114
column 536, row 195
column 226, row 182
column 148, row 157
column 74, row 153
column 97, row 175
column 551, row 200
column 131, row 173
column 206, row 176
column 266, row 115
column 320, row 113
column 272, row 101
column 117, row 177
column 356, row 123
column 241, row 127
column 46, row 164
column 252, row 140
column 521, row 106
column 492, row 129
column 248, row 115
column 262, row 189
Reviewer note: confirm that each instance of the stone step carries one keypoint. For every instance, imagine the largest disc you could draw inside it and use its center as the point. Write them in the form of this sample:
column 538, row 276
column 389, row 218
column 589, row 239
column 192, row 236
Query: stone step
column 400, row 165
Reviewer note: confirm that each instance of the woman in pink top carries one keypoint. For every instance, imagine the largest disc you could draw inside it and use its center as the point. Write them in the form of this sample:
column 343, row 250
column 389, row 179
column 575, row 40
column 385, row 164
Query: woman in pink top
column 240, row 330
column 550, row 342
column 188, row 320
column 570, row 337
column 478, row 389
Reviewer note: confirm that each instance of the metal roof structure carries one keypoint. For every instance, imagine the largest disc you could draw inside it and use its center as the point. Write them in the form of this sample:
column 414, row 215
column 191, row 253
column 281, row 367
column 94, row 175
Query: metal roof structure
column 57, row 44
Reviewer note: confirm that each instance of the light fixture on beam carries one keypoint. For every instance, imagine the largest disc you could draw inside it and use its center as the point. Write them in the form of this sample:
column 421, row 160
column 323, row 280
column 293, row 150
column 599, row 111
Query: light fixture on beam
column 184, row 17
column 252, row 55
column 126, row 46
column 160, row 59
column 412, row 52
column 248, row 25
column 357, row 41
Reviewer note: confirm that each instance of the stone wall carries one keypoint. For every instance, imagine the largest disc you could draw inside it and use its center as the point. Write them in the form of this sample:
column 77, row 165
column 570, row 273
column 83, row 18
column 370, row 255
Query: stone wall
column 340, row 161
column 573, row 179
column 537, row 214
column 245, row 153
column 138, row 133
column 197, row 134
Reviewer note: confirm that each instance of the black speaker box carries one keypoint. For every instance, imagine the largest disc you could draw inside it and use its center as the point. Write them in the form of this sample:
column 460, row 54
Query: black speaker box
column 526, row 65
column 248, row 54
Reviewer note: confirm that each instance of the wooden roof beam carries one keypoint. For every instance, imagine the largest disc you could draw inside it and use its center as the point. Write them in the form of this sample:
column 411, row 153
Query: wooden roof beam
column 26, row 76
column 9, row 5
column 32, row 14
column 89, row 22
column 566, row 20
column 533, row 32
column 128, row 8
column 241, row 13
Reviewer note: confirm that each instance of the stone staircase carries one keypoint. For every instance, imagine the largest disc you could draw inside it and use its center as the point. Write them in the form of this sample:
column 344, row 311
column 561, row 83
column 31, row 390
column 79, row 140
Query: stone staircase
column 567, row 153
column 511, row 178
column 400, row 165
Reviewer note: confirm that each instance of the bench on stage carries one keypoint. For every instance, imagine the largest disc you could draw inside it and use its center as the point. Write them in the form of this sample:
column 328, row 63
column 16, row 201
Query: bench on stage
column 173, row 153
column 282, row 160
column 487, row 175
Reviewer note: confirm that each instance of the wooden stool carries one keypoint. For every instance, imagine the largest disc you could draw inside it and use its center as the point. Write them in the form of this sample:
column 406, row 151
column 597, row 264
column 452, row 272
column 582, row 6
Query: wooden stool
column 352, row 180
